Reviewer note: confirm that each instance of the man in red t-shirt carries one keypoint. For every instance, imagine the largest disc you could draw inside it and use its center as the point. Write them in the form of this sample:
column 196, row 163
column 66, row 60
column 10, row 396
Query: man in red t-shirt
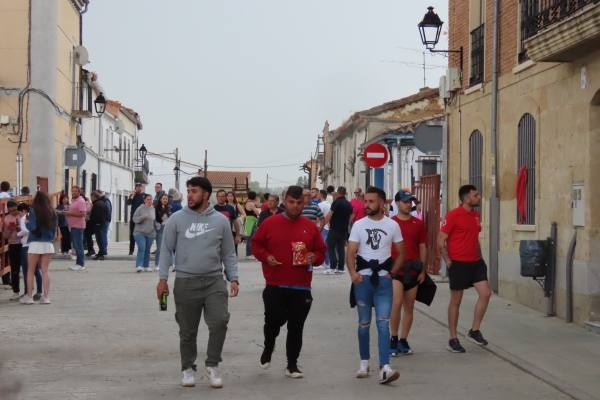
column 410, row 275
column 287, row 245
column 358, row 206
column 459, row 245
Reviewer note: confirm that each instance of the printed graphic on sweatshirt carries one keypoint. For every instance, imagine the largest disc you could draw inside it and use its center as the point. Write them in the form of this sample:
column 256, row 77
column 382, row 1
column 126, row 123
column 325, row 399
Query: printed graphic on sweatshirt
column 197, row 229
column 375, row 237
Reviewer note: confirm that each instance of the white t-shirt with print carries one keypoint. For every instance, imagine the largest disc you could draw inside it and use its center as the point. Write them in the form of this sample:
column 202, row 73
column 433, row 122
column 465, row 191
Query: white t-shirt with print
column 325, row 207
column 375, row 239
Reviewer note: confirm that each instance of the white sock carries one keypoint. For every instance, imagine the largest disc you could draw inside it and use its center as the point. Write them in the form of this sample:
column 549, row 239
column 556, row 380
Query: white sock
column 364, row 363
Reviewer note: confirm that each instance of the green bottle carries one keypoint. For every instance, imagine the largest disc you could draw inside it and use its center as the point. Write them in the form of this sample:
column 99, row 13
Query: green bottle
column 163, row 300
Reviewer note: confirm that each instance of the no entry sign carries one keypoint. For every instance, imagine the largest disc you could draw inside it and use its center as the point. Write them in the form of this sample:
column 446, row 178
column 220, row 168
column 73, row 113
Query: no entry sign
column 375, row 155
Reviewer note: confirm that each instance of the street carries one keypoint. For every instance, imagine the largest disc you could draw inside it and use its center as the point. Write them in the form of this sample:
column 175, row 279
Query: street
column 103, row 337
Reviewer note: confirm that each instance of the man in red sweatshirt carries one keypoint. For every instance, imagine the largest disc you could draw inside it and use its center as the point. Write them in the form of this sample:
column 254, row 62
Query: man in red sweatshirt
column 287, row 245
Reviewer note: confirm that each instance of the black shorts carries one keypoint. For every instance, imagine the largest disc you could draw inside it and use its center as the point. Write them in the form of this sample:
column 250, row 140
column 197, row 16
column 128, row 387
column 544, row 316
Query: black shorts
column 463, row 274
column 409, row 273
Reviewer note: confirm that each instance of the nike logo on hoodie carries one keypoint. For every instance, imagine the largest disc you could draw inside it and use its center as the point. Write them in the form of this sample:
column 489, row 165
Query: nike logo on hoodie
column 197, row 229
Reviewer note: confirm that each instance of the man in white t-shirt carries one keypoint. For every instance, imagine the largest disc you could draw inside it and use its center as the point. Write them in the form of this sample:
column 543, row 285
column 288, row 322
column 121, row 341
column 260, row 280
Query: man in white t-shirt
column 325, row 207
column 370, row 266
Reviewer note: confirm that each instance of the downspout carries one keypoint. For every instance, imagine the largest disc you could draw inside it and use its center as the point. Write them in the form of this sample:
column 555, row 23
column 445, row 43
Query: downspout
column 494, row 223
column 569, row 281
column 79, row 133
column 19, row 158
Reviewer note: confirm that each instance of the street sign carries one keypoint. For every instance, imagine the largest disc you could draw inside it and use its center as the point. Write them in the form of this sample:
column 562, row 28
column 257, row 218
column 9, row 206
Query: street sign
column 74, row 156
column 376, row 155
column 428, row 138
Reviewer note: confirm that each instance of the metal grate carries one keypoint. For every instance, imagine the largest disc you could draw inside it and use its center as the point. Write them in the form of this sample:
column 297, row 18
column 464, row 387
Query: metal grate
column 476, row 160
column 526, row 156
column 477, row 45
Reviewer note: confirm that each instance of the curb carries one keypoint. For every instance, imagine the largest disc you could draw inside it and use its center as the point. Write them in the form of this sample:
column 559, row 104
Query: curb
column 565, row 388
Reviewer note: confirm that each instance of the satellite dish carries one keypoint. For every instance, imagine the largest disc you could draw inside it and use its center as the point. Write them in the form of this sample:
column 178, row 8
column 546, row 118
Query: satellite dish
column 119, row 126
column 81, row 55
column 428, row 138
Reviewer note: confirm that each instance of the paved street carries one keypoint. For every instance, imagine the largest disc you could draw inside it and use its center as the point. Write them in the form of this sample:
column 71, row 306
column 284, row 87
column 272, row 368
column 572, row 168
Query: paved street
column 104, row 338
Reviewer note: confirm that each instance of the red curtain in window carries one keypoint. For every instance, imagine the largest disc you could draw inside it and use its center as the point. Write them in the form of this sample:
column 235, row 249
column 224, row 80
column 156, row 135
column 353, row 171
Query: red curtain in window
column 522, row 194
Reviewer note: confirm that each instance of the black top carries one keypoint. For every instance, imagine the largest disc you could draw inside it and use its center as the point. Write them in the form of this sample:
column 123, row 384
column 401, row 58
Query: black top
column 99, row 212
column 267, row 213
column 136, row 201
column 341, row 210
column 227, row 211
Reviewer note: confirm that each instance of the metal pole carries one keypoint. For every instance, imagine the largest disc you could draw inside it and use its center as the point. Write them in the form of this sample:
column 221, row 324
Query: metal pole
column 550, row 278
column 205, row 162
column 267, row 182
column 494, row 227
column 177, row 167
column 569, row 269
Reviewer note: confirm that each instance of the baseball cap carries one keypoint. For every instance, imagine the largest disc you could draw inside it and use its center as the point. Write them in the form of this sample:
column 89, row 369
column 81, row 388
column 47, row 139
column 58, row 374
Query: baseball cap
column 404, row 196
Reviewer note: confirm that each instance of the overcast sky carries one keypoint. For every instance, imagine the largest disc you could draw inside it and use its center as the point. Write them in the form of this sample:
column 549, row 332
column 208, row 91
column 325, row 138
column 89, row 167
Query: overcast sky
column 253, row 81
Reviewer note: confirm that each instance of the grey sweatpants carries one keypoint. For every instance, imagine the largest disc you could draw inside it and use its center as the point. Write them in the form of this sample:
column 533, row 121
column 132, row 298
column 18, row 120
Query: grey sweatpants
column 192, row 297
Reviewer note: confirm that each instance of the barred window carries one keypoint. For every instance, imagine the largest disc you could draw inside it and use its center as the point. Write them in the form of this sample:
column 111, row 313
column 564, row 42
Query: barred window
column 476, row 160
column 526, row 166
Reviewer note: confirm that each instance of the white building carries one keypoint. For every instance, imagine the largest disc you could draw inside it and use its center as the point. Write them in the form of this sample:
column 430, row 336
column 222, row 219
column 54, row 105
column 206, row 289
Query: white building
column 110, row 143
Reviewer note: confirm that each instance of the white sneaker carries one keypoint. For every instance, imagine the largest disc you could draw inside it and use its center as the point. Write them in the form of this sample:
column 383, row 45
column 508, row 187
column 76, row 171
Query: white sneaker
column 363, row 370
column 147, row 269
column 319, row 267
column 26, row 300
column 387, row 374
column 338, row 272
column 188, row 378
column 214, row 376
column 139, row 269
column 76, row 268
column 15, row 296
column 45, row 300
column 329, row 271
column 156, row 269
column 294, row 373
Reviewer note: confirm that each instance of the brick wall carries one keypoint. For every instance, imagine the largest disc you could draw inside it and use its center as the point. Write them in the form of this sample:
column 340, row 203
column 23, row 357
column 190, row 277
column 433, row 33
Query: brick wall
column 459, row 35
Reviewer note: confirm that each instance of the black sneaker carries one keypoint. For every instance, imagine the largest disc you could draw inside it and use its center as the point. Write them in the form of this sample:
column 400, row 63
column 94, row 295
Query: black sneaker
column 394, row 346
column 90, row 254
column 265, row 359
column 98, row 257
column 454, row 346
column 292, row 371
column 37, row 297
column 477, row 337
column 404, row 348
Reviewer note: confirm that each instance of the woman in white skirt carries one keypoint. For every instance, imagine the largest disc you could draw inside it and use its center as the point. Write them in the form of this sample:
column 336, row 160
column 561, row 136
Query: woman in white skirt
column 42, row 231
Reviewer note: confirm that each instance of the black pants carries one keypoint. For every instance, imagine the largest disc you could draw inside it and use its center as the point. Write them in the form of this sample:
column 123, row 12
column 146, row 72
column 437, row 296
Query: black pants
column 65, row 239
column 5, row 277
column 336, row 247
column 131, row 239
column 286, row 305
column 89, row 238
column 14, row 257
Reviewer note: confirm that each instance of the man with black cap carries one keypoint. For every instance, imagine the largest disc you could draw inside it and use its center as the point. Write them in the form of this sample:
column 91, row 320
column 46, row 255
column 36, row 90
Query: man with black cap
column 411, row 274
column 200, row 241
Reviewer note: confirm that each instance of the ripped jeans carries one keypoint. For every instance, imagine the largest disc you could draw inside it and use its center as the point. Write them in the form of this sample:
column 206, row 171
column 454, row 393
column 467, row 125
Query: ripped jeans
column 367, row 296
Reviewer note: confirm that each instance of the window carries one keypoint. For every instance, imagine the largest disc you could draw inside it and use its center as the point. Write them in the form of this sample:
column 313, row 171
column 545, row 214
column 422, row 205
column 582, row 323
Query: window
column 529, row 10
column 526, row 159
column 94, row 182
column 83, row 181
column 477, row 45
column 476, row 160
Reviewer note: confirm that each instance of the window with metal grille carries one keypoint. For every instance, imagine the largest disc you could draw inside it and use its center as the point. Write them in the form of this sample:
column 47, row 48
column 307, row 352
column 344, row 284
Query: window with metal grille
column 526, row 159
column 476, row 160
column 477, row 45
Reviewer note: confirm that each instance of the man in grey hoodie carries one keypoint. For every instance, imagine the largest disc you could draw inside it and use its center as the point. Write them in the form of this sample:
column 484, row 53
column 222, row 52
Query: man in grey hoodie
column 200, row 241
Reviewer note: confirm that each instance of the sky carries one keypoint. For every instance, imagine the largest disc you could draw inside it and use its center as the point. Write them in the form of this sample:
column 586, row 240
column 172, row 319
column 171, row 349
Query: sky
column 253, row 81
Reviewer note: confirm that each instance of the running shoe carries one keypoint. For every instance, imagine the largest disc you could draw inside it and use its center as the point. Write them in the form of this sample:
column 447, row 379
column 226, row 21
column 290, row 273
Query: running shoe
column 188, row 378
column 293, row 372
column 454, row 346
column 394, row 346
column 477, row 337
column 404, row 348
column 214, row 377
column 387, row 374
column 363, row 370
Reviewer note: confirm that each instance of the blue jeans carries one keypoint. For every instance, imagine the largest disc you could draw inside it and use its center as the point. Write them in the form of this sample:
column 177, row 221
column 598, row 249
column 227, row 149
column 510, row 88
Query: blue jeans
column 380, row 297
column 159, row 234
column 324, row 234
column 143, row 243
column 24, row 268
column 101, row 232
column 77, row 242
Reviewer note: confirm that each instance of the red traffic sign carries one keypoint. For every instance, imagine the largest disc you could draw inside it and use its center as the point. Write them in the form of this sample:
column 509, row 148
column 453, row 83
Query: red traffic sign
column 375, row 155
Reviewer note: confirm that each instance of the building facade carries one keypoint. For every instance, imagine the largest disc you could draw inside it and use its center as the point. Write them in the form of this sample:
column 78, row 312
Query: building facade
column 38, row 83
column 392, row 124
column 548, row 137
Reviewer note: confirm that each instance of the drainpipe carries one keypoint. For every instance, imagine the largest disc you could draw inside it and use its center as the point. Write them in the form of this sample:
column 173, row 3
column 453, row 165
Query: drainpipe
column 494, row 227
column 569, row 269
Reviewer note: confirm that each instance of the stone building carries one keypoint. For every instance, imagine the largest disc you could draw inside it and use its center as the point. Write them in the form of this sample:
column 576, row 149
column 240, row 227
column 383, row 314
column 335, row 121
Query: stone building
column 548, row 128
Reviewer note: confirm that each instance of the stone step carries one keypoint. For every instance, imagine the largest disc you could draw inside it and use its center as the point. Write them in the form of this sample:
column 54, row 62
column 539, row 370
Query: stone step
column 593, row 326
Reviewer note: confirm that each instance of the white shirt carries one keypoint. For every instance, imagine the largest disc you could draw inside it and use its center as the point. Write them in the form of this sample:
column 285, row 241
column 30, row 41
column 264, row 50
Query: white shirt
column 375, row 239
column 325, row 206
column 23, row 233
column 5, row 195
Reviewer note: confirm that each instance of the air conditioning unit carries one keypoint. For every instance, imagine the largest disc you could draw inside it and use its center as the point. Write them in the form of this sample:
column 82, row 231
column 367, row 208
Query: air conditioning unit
column 453, row 79
column 444, row 92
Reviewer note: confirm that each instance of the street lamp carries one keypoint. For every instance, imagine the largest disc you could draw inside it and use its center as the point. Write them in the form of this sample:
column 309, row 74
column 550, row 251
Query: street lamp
column 430, row 28
column 100, row 104
column 143, row 151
